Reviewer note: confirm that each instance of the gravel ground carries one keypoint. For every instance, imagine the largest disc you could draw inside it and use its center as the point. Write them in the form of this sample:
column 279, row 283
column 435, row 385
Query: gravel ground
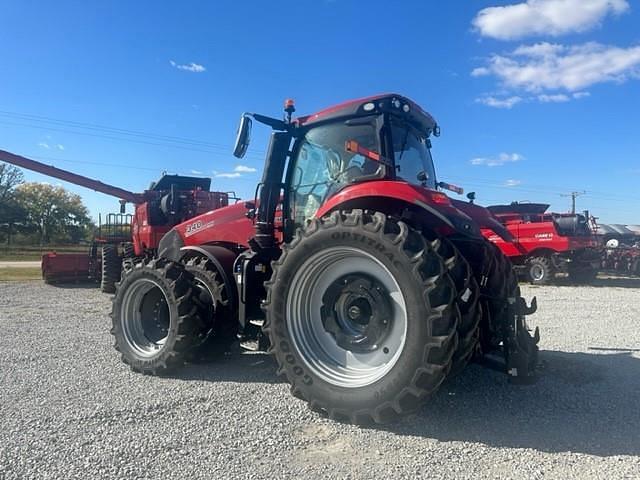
column 70, row 409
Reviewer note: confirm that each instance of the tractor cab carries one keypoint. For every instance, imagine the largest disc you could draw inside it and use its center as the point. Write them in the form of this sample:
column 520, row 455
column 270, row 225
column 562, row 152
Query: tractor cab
column 385, row 137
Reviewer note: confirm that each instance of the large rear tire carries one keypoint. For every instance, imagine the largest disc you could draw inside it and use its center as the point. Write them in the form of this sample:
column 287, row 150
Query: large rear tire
column 467, row 302
column 155, row 319
column 111, row 268
column 360, row 312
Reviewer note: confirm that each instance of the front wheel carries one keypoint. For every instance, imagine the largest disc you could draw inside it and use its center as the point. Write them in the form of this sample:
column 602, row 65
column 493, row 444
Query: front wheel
column 540, row 271
column 155, row 317
column 361, row 317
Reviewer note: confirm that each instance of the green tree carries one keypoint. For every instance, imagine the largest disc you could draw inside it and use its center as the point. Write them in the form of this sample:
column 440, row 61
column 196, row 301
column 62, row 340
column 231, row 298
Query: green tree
column 11, row 212
column 10, row 178
column 52, row 211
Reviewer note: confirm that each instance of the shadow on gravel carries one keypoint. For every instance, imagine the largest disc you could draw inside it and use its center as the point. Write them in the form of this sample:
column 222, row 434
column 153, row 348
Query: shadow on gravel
column 237, row 367
column 614, row 281
column 73, row 286
column 585, row 403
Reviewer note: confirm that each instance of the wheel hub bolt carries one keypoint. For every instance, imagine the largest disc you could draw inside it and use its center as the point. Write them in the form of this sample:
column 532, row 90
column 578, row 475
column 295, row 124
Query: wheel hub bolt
column 354, row 312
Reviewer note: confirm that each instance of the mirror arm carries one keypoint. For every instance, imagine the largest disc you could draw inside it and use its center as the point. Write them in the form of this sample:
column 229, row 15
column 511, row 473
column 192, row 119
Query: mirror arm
column 274, row 123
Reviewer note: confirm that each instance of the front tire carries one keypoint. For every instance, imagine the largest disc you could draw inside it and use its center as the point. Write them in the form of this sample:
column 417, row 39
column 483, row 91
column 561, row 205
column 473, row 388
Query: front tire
column 155, row 319
column 360, row 315
column 540, row 271
column 111, row 268
column 216, row 310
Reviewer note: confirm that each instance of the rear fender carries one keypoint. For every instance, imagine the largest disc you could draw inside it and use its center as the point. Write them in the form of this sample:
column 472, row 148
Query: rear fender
column 484, row 218
column 434, row 208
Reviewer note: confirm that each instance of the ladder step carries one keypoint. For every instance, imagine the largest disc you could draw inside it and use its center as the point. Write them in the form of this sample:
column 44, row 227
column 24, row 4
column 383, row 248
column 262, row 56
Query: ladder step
column 258, row 322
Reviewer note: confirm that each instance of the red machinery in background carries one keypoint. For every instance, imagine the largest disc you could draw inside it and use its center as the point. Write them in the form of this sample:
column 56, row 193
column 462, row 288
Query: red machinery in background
column 621, row 248
column 547, row 243
column 171, row 200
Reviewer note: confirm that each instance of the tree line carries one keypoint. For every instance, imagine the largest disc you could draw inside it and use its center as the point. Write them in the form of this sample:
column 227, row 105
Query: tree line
column 39, row 213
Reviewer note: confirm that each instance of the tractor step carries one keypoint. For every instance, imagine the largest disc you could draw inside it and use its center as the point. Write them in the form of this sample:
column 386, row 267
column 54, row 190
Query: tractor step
column 258, row 322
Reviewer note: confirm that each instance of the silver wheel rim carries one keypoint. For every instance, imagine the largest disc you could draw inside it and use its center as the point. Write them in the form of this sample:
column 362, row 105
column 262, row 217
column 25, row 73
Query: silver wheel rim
column 145, row 317
column 537, row 272
column 318, row 348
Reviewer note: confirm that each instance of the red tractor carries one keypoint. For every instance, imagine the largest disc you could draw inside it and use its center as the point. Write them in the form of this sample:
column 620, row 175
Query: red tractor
column 367, row 284
column 547, row 243
column 168, row 202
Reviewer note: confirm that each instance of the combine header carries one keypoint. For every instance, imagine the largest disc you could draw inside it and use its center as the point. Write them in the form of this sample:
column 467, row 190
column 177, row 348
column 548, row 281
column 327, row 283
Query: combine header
column 171, row 200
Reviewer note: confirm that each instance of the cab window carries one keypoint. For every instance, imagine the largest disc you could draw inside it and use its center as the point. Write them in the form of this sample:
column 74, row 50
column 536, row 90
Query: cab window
column 322, row 166
column 412, row 156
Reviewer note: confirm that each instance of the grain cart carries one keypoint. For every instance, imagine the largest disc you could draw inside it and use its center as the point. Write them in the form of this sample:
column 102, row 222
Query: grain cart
column 167, row 202
column 370, row 285
column 547, row 243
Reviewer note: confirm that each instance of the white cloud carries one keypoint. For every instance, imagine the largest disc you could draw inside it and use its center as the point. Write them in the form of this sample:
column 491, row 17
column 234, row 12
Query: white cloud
column 495, row 102
column 502, row 159
column 238, row 172
column 44, row 145
column 512, row 183
column 196, row 172
column 244, row 169
column 228, row 175
column 557, row 98
column 545, row 17
column 188, row 67
column 60, row 147
column 547, row 67
column 579, row 95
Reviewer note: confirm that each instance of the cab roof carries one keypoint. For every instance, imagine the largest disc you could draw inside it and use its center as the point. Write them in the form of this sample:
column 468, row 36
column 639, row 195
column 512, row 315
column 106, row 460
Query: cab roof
column 389, row 102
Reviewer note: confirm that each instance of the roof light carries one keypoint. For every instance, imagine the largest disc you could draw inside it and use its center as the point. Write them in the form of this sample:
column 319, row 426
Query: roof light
column 396, row 103
column 367, row 107
column 406, row 108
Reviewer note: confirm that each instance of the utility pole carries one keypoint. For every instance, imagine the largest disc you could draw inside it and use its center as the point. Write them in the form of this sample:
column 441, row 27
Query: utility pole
column 573, row 196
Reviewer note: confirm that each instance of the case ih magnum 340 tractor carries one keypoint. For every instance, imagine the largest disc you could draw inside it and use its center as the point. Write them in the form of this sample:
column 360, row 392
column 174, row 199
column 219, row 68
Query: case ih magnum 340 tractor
column 367, row 284
column 547, row 243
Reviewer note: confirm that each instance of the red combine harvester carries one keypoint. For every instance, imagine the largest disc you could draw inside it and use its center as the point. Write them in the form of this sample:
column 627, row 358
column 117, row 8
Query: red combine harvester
column 368, row 284
column 547, row 243
column 170, row 201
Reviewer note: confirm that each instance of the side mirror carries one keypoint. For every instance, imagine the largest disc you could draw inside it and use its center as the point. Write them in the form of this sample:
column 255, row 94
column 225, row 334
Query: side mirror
column 471, row 196
column 123, row 207
column 243, row 137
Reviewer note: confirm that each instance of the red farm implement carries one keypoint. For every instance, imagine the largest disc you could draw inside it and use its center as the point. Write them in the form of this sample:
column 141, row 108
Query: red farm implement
column 169, row 201
column 547, row 243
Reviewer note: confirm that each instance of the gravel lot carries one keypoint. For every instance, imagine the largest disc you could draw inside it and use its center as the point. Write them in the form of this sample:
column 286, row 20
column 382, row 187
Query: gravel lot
column 70, row 409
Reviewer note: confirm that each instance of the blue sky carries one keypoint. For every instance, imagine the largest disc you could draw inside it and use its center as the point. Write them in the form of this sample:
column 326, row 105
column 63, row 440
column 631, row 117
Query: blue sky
column 534, row 99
